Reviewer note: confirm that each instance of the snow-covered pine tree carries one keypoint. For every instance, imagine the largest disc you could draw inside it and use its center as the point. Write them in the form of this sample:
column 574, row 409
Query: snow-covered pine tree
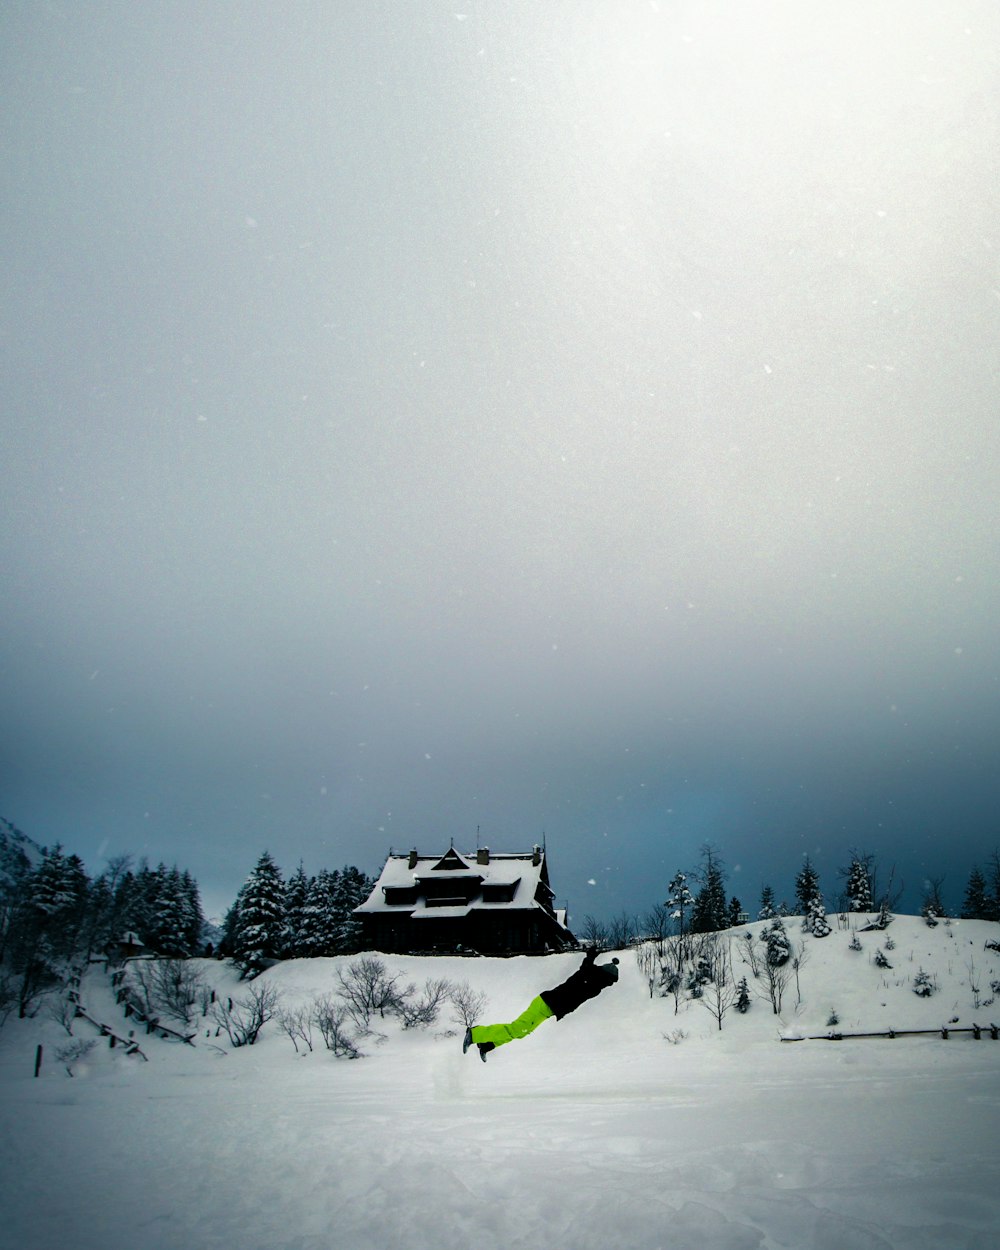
column 806, row 887
column 294, row 938
column 931, row 903
column 194, row 917
column 816, row 922
column 46, row 922
column 742, row 997
column 923, row 984
column 325, row 915
column 775, row 938
column 809, row 901
column 767, row 910
column 680, row 902
column 311, row 938
column 353, row 888
column 171, row 923
column 259, row 925
column 859, row 887
column 57, row 900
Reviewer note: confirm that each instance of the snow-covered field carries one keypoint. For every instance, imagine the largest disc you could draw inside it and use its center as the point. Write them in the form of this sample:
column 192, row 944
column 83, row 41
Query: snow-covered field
column 623, row 1125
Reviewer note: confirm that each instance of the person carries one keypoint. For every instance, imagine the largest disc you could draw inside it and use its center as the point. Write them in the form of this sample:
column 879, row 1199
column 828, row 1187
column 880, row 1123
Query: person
column 587, row 982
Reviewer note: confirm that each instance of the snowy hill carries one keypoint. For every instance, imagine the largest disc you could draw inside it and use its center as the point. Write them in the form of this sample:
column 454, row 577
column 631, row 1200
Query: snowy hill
column 627, row 1124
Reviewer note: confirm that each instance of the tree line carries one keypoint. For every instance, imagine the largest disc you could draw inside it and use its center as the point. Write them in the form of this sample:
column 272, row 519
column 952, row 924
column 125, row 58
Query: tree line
column 697, row 901
column 301, row 918
column 53, row 916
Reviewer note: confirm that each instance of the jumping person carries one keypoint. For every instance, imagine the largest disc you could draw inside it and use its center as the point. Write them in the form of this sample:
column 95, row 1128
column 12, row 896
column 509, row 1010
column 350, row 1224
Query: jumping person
column 587, row 982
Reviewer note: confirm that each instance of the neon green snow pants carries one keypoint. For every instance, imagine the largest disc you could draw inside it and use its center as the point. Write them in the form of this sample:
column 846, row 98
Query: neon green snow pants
column 525, row 1023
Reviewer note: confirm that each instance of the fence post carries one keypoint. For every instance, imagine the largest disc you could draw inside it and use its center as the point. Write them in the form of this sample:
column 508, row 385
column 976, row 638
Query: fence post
column 38, row 1061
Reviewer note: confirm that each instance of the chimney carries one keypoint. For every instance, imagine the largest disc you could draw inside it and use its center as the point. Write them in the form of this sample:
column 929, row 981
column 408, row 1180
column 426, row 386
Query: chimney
column 483, row 856
column 536, row 856
column 412, row 863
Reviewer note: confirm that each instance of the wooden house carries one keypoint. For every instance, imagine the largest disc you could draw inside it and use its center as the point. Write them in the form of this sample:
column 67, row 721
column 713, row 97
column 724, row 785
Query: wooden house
column 476, row 904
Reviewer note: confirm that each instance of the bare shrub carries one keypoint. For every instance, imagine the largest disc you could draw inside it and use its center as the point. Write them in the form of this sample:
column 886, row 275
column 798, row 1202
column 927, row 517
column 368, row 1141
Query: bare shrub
column 594, row 933
column 646, row 960
column 469, row 1004
column 773, row 981
column 420, row 1011
column 366, row 987
column 298, row 1025
column 244, row 1018
column 168, row 987
column 621, row 931
column 330, row 1016
column 721, row 992
column 749, row 953
column 62, row 1009
column 73, row 1052
column 657, row 924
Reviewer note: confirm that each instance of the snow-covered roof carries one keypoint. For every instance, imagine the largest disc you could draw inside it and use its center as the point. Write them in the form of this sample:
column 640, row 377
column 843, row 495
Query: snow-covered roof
column 452, row 885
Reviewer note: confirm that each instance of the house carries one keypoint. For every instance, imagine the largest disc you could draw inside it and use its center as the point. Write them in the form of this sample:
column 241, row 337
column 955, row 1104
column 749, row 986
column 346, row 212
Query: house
column 475, row 904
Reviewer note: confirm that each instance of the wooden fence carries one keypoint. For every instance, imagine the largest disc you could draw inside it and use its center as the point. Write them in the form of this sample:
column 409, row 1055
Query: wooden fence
column 945, row 1031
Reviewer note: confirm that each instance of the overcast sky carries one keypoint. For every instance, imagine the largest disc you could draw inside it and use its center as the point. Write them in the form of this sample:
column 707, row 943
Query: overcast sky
column 571, row 420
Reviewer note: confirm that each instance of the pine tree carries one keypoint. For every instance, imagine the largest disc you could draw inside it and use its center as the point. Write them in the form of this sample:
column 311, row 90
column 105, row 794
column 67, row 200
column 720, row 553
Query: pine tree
column 709, row 914
column 58, row 891
column 194, row 917
column 326, row 916
column 680, row 901
column 976, row 905
column 809, row 900
column 311, row 935
column 742, row 997
column 993, row 887
column 735, row 912
column 143, row 904
column 169, row 925
column 931, row 904
column 47, row 922
column 294, row 943
column 816, row 922
column 260, row 921
column 767, row 910
column 859, row 887
column 779, row 949
column 354, row 888
column 806, row 887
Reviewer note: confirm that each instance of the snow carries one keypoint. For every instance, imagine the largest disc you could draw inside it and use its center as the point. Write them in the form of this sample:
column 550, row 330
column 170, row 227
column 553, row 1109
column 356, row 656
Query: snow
column 623, row 1125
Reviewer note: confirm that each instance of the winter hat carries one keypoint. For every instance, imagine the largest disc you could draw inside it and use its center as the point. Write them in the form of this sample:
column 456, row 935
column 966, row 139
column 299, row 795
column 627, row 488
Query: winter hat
column 612, row 969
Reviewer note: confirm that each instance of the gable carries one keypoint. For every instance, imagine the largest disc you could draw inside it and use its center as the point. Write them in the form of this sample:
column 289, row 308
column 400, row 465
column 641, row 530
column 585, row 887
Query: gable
column 451, row 861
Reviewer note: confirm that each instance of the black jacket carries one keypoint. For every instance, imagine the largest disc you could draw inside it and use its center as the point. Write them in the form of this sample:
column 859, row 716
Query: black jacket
column 587, row 982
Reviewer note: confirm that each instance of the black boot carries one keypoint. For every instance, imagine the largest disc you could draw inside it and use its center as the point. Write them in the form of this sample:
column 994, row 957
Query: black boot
column 484, row 1049
column 468, row 1041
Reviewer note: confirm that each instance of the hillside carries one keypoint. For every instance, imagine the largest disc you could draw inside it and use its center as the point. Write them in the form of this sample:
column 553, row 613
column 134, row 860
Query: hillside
column 18, row 853
column 623, row 1125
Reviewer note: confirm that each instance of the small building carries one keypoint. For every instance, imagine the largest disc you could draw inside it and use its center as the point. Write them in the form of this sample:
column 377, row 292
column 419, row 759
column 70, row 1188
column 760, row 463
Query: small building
column 126, row 946
column 469, row 904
